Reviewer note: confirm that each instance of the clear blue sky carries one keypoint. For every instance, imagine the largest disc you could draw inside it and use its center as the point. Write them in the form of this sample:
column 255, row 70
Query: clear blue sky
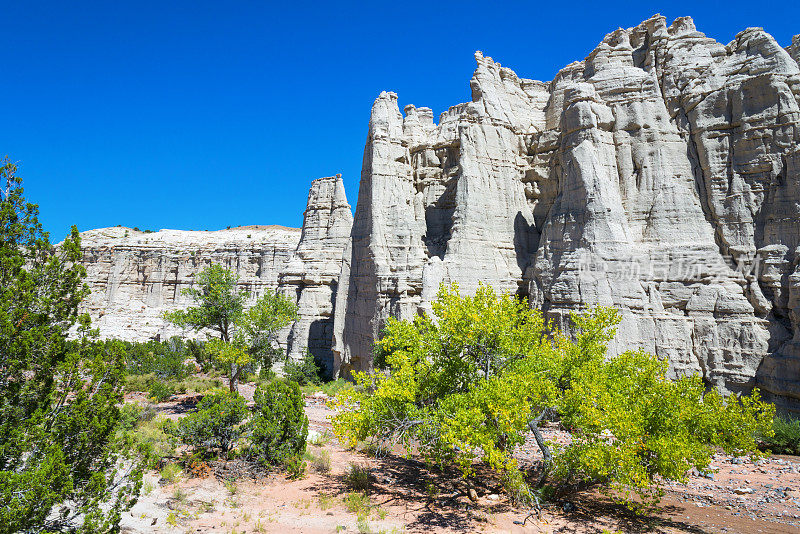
column 201, row 115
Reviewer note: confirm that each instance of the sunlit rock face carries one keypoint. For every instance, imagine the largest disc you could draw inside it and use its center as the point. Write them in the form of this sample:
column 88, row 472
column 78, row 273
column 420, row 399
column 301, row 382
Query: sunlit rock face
column 135, row 276
column 659, row 175
column 312, row 275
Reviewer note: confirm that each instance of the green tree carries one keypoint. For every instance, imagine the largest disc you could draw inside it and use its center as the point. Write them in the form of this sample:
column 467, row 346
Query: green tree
column 221, row 303
column 279, row 424
column 59, row 399
column 216, row 424
column 245, row 337
column 469, row 386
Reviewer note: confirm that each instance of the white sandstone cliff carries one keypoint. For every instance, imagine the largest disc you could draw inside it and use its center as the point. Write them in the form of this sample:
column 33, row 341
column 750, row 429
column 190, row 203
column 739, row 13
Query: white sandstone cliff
column 660, row 175
column 135, row 276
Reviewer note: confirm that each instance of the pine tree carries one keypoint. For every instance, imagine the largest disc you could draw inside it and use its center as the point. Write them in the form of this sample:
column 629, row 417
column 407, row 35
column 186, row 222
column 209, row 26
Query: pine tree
column 62, row 464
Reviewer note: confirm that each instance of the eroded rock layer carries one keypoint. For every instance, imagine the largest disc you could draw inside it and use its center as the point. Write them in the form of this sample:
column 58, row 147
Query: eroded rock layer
column 660, row 175
column 136, row 276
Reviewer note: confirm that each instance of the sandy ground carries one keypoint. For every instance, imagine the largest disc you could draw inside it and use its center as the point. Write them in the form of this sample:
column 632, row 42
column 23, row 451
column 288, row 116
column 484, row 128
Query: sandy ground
column 737, row 495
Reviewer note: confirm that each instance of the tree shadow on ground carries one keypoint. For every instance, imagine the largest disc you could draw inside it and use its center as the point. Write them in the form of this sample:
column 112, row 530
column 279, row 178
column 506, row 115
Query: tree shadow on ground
column 589, row 506
column 180, row 406
column 439, row 499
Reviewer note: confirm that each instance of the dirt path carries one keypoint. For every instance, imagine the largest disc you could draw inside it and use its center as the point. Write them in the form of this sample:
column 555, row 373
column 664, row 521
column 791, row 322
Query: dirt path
column 404, row 496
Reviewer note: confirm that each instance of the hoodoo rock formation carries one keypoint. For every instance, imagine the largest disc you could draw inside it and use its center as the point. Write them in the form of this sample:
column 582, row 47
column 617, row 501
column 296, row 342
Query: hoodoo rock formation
column 660, row 175
column 312, row 274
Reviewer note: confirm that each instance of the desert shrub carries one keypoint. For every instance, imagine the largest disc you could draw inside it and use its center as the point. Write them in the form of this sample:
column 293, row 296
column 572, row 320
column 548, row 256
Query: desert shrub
column 161, row 391
column 164, row 360
column 129, row 416
column 197, row 349
column 153, row 434
column 295, row 466
column 786, row 437
column 468, row 386
column 357, row 477
column 266, row 374
column 215, row 424
column 279, row 426
column 304, row 371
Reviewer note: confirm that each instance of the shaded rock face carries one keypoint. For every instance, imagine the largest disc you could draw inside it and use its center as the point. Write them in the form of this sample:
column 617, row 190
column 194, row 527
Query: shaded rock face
column 311, row 276
column 135, row 276
column 660, row 175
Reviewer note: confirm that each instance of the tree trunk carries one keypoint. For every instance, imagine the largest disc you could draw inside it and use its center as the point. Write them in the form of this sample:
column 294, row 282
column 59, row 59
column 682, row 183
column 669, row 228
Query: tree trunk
column 233, row 377
column 548, row 458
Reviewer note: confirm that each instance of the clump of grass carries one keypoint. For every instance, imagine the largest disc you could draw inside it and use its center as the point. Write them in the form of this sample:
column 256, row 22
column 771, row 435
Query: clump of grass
column 180, row 496
column 432, row 490
column 317, row 440
column 326, row 501
column 357, row 477
column 321, row 463
column 786, row 438
column 207, row 507
column 303, row 503
column 357, row 503
column 517, row 489
column 231, row 486
column 362, row 524
column 171, row 472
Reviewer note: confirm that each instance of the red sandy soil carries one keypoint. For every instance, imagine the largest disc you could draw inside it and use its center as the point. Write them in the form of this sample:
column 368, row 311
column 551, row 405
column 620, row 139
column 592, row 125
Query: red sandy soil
column 740, row 496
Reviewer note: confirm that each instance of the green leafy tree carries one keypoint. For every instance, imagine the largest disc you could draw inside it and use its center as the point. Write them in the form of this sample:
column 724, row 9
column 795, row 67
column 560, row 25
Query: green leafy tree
column 221, row 303
column 469, row 386
column 59, row 399
column 246, row 338
column 259, row 326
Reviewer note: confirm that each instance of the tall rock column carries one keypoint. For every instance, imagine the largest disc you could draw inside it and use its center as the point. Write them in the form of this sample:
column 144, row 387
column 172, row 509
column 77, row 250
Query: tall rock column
column 311, row 276
column 493, row 232
column 382, row 272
